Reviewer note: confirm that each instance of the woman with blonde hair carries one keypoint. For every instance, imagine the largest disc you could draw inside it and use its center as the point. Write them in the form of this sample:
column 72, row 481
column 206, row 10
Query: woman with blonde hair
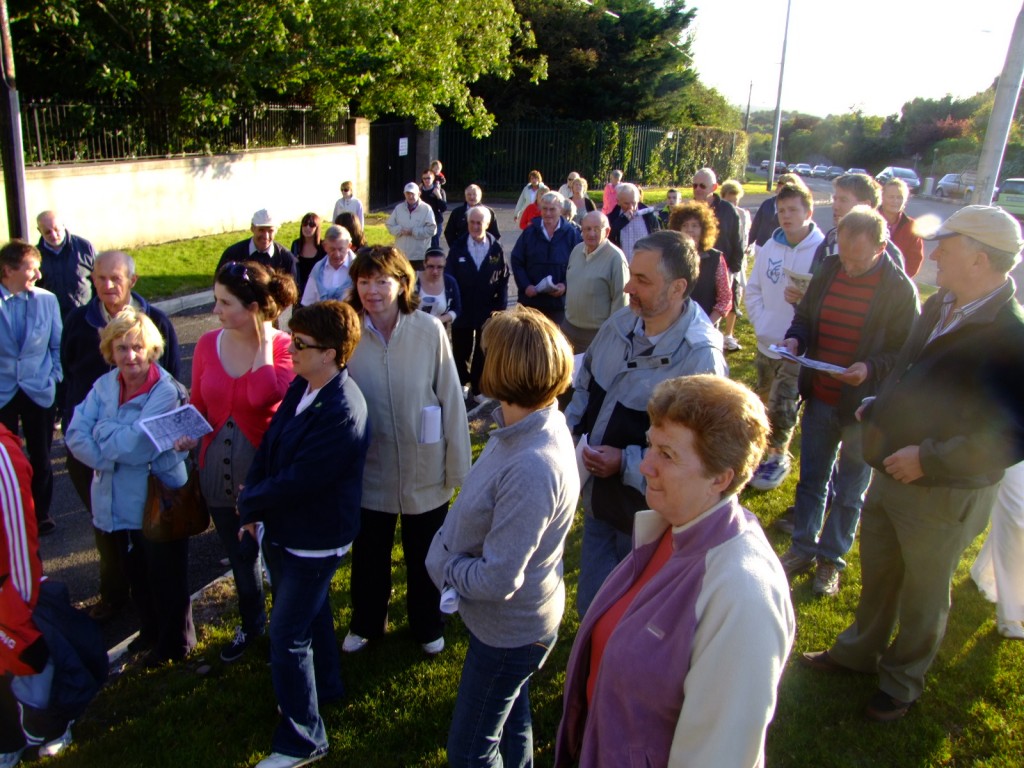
column 105, row 434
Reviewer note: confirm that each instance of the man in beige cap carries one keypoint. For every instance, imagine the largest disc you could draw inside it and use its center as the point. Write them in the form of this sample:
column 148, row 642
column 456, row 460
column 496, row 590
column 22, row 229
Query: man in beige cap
column 262, row 247
column 945, row 424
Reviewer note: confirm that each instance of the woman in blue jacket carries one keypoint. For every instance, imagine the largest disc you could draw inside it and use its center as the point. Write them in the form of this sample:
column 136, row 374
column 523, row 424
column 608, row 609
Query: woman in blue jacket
column 305, row 486
column 104, row 434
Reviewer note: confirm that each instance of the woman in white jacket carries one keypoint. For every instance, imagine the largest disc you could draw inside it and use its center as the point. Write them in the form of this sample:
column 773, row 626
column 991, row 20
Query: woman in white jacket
column 419, row 445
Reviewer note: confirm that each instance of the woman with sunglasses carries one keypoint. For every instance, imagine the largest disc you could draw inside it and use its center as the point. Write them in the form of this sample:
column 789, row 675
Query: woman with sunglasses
column 310, row 517
column 419, row 447
column 240, row 373
column 308, row 248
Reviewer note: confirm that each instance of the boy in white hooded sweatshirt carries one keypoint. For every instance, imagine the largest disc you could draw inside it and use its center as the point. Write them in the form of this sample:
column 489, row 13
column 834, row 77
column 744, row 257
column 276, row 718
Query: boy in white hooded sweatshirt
column 770, row 301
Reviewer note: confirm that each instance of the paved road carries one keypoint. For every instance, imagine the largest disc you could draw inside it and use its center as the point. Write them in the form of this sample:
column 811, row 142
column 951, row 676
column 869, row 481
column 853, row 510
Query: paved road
column 69, row 554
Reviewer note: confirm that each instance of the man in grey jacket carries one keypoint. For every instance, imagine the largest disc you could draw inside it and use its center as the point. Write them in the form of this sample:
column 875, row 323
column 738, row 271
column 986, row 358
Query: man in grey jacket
column 661, row 335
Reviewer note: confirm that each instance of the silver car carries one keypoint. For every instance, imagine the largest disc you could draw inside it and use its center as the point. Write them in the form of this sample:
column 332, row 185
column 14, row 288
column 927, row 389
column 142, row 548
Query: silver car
column 907, row 175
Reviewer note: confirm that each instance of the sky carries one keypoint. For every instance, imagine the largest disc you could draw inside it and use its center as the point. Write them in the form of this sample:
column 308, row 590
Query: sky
column 925, row 48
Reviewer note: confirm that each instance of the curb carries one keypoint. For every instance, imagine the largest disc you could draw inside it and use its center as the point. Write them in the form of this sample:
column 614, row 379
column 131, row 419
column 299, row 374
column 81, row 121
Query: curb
column 182, row 303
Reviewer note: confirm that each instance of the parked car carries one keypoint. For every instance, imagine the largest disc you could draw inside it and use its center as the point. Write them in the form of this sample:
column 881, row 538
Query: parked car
column 764, row 165
column 1011, row 197
column 955, row 184
column 791, row 168
column 820, row 172
column 908, row 176
column 780, row 167
column 835, row 171
column 803, row 169
column 857, row 170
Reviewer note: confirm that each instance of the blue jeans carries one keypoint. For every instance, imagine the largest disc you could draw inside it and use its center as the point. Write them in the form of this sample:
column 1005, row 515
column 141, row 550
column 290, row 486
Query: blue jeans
column 491, row 725
column 822, row 439
column 604, row 547
column 245, row 569
column 304, row 661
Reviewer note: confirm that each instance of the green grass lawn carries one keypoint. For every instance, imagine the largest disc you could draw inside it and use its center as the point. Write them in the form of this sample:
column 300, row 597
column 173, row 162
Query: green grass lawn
column 399, row 703
column 187, row 266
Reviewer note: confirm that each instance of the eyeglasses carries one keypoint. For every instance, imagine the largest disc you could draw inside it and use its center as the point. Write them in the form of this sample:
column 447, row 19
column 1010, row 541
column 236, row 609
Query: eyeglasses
column 236, row 269
column 300, row 345
column 697, row 185
column 309, row 223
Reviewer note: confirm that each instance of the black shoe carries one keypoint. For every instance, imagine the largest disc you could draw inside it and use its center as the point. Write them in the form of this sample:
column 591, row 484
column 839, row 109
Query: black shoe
column 46, row 526
column 140, row 644
column 784, row 523
column 104, row 611
column 238, row 646
column 884, row 708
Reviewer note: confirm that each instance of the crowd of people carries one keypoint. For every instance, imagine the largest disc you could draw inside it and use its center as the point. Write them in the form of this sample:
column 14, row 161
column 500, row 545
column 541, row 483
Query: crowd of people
column 612, row 388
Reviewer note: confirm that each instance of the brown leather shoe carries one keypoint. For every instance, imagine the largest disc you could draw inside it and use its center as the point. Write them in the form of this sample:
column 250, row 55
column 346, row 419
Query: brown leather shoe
column 883, row 708
column 821, row 661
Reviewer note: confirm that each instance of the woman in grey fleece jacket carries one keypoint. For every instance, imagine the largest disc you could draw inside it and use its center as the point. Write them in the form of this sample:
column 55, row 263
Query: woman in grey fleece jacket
column 500, row 549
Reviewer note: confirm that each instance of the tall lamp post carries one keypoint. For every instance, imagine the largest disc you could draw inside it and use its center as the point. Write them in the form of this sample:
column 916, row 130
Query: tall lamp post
column 11, row 150
column 778, row 103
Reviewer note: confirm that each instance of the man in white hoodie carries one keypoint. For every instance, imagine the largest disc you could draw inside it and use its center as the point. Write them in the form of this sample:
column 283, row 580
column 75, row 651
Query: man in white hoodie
column 770, row 308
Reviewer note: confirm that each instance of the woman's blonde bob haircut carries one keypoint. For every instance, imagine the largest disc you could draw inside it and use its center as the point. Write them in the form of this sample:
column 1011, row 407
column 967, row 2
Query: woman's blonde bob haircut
column 728, row 421
column 527, row 360
column 134, row 324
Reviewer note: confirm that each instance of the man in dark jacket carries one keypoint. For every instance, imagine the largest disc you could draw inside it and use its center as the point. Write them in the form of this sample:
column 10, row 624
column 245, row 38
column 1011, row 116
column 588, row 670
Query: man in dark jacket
column 67, row 262
column 457, row 225
column 947, row 421
column 113, row 278
column 477, row 263
column 432, row 194
column 730, row 236
column 540, row 259
column 856, row 314
column 262, row 247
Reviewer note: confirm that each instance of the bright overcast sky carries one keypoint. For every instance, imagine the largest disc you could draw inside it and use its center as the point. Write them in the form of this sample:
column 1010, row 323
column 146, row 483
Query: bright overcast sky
column 924, row 48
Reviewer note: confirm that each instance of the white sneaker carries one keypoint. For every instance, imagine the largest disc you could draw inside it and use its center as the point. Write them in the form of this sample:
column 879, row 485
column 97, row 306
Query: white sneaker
column 730, row 344
column 434, row 647
column 353, row 643
column 1013, row 630
column 771, row 473
column 10, row 759
column 279, row 760
column 58, row 745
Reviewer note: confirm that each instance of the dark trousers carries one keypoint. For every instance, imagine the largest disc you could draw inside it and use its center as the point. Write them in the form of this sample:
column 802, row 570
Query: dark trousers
column 158, row 573
column 113, row 583
column 469, row 358
column 371, row 573
column 245, row 567
column 37, row 427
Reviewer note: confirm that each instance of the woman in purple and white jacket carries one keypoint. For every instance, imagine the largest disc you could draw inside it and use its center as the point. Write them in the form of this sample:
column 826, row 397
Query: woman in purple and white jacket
column 678, row 659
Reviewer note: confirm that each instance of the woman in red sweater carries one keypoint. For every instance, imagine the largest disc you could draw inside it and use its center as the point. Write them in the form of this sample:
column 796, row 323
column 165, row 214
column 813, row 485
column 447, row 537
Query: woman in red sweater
column 240, row 374
column 902, row 232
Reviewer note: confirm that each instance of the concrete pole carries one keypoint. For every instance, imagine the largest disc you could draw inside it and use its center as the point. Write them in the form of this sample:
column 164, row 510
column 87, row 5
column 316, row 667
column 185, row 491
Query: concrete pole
column 1002, row 115
column 778, row 104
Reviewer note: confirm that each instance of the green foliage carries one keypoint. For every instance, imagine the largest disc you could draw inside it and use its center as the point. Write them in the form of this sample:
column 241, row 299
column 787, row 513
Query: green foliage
column 202, row 59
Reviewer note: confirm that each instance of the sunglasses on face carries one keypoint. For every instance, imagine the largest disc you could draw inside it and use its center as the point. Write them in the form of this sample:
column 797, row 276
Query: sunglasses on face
column 300, row 345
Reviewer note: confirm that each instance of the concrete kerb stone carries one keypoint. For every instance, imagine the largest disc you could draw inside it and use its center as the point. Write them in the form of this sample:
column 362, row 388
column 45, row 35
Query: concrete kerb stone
column 182, row 303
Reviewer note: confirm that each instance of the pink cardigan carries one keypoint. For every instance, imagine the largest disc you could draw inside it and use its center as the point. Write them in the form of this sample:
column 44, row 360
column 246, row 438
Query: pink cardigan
column 250, row 400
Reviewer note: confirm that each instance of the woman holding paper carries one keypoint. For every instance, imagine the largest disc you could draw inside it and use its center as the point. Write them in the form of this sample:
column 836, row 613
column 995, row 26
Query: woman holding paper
column 500, row 550
column 240, row 373
column 419, row 446
column 105, row 434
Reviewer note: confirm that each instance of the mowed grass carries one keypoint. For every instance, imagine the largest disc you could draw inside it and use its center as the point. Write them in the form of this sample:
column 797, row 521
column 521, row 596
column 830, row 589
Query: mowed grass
column 187, row 266
column 399, row 701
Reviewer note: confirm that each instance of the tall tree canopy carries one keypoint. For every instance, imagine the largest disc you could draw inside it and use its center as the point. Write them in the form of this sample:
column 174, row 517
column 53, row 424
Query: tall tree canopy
column 201, row 57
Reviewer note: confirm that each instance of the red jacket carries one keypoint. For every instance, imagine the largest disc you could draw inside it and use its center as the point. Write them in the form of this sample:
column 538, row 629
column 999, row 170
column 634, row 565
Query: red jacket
column 20, row 567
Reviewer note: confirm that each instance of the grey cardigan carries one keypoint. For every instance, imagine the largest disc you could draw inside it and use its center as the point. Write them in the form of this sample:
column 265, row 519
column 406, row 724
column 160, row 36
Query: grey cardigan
column 501, row 545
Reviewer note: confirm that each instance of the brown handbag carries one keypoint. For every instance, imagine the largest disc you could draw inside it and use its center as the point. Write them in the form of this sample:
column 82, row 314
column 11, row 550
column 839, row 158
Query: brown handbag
column 172, row 514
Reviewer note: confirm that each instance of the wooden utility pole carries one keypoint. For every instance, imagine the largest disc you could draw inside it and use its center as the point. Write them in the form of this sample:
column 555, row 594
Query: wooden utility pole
column 11, row 151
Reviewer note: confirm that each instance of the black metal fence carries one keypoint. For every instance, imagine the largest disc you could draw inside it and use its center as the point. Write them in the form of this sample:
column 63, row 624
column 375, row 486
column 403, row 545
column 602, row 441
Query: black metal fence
column 646, row 153
column 55, row 133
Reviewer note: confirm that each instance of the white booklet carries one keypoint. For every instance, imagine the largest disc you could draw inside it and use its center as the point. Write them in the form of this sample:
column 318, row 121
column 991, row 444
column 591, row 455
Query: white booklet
column 184, row 421
column 806, row 362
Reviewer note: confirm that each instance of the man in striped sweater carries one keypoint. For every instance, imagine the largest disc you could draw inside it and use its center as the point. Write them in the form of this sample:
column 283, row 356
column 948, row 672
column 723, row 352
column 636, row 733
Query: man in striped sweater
column 856, row 314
